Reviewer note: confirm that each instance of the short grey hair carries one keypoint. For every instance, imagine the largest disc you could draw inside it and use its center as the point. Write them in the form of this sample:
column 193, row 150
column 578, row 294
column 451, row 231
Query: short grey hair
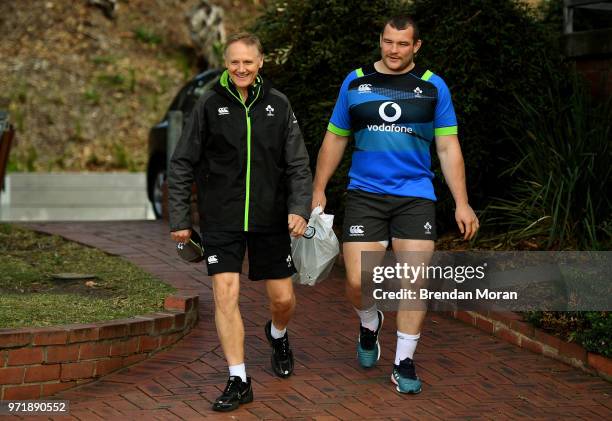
column 245, row 37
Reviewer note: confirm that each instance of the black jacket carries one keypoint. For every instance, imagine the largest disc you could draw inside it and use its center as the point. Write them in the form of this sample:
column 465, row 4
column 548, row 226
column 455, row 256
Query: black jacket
column 248, row 160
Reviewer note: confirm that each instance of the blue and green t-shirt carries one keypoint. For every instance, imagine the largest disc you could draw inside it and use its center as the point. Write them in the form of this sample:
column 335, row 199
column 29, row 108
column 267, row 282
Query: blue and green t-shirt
column 394, row 120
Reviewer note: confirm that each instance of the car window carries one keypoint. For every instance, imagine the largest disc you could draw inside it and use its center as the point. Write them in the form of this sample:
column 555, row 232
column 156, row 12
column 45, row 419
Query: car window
column 188, row 95
column 195, row 91
column 199, row 90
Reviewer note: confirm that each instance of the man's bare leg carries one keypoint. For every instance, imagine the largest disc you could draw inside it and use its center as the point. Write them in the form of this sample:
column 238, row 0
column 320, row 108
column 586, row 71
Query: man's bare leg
column 282, row 306
column 368, row 348
column 282, row 301
column 409, row 322
column 230, row 329
column 352, row 263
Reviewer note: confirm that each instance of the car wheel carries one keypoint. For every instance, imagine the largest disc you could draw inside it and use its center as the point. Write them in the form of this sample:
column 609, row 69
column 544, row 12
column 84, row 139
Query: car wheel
column 157, row 196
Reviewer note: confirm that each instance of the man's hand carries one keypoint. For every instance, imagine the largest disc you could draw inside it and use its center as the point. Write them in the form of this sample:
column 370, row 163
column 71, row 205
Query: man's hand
column 318, row 199
column 181, row 236
column 297, row 225
column 467, row 221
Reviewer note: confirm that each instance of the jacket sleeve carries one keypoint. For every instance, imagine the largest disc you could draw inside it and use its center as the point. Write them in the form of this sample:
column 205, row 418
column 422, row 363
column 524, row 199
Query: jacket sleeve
column 299, row 177
column 185, row 159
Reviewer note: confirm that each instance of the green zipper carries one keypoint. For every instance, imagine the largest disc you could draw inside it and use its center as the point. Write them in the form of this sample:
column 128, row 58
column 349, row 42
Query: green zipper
column 248, row 174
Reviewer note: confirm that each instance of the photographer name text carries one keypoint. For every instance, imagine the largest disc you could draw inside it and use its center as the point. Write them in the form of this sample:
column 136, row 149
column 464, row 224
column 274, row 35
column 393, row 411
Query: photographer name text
column 425, row 294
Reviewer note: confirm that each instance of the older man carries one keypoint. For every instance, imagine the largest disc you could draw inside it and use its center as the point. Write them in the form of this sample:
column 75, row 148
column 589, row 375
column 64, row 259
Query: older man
column 243, row 146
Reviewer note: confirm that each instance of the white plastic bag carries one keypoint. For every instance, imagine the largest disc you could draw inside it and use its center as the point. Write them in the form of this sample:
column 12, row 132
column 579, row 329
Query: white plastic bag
column 314, row 257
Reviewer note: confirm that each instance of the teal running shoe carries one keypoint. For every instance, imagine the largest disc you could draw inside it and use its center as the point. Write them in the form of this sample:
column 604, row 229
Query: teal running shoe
column 368, row 348
column 404, row 377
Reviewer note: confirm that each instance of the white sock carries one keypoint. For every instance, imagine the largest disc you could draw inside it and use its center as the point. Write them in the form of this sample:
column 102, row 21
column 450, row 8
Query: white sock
column 277, row 334
column 238, row 370
column 406, row 344
column 369, row 317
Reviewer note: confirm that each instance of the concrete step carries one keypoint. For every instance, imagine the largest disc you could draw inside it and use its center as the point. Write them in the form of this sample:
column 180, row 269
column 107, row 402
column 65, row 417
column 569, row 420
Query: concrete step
column 96, row 196
column 61, row 181
column 75, row 197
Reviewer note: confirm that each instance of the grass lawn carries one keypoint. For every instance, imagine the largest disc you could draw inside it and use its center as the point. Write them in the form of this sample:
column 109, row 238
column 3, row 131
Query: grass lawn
column 29, row 296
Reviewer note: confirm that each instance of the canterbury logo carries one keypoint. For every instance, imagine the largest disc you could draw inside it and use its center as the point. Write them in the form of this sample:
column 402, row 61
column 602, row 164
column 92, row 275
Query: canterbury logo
column 223, row 110
column 365, row 87
column 213, row 259
column 356, row 230
column 390, row 118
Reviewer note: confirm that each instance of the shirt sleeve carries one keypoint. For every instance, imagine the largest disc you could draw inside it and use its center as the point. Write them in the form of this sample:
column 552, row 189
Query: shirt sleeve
column 185, row 158
column 445, row 120
column 340, row 121
column 298, row 175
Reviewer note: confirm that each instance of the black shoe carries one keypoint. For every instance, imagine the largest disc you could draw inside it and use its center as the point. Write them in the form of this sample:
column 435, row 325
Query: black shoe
column 405, row 378
column 282, row 357
column 368, row 347
column 235, row 393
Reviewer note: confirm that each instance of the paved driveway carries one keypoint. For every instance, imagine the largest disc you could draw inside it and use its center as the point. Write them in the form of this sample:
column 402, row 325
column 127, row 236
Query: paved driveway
column 467, row 373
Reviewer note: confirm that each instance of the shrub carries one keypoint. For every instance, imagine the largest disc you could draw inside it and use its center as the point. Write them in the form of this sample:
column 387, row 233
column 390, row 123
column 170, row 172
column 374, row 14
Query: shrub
column 486, row 50
column 591, row 329
column 310, row 47
column 557, row 189
column 596, row 337
column 489, row 52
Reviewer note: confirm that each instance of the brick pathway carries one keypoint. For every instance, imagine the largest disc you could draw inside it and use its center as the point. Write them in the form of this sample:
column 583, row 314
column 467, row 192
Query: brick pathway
column 467, row 373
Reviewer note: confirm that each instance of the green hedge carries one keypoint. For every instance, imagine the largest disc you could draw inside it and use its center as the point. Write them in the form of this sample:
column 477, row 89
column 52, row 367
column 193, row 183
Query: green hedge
column 591, row 329
column 310, row 47
column 557, row 188
column 489, row 52
column 486, row 50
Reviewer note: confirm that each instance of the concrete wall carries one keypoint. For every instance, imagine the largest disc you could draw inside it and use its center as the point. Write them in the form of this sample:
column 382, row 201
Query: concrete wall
column 75, row 197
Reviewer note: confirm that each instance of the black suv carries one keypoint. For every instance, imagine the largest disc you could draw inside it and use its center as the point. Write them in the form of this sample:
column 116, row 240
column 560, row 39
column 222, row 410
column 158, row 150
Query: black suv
column 183, row 101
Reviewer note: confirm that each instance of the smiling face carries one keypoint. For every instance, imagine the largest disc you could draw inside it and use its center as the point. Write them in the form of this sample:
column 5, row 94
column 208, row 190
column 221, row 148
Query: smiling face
column 243, row 63
column 397, row 49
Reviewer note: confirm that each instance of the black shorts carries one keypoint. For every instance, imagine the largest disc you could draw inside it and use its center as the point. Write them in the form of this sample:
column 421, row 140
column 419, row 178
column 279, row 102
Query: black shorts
column 378, row 217
column 269, row 253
